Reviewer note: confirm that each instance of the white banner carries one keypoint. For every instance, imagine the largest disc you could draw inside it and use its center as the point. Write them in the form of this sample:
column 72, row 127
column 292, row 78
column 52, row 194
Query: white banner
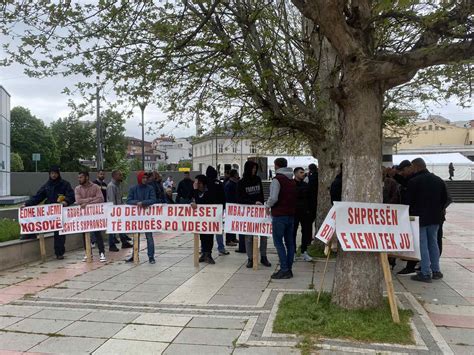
column 40, row 219
column 416, row 254
column 205, row 219
column 373, row 227
column 82, row 220
column 247, row 220
column 326, row 231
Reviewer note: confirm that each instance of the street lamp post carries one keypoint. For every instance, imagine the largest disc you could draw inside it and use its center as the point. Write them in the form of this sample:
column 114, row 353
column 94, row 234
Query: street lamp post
column 142, row 108
column 99, row 160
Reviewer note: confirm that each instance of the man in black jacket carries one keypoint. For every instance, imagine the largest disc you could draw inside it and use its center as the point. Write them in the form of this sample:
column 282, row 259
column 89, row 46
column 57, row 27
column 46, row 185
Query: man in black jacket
column 313, row 179
column 428, row 198
column 185, row 189
column 303, row 213
column 56, row 190
column 230, row 190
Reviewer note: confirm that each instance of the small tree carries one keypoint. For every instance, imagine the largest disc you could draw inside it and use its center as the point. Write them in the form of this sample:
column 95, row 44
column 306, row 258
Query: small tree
column 16, row 163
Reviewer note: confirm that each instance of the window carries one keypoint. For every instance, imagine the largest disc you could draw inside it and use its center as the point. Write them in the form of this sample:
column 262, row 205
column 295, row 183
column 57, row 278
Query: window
column 221, row 148
column 205, row 150
column 234, row 148
column 253, row 148
column 200, row 150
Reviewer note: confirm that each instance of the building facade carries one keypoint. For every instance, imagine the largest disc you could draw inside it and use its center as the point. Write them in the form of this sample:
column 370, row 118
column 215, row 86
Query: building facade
column 153, row 157
column 4, row 142
column 176, row 149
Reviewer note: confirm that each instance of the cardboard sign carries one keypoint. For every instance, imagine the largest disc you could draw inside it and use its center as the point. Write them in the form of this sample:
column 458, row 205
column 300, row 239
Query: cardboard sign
column 373, row 227
column 416, row 254
column 40, row 219
column 205, row 219
column 327, row 229
column 81, row 220
column 247, row 220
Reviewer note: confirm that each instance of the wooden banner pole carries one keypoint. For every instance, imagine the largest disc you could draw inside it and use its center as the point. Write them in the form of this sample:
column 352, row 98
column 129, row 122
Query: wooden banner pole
column 87, row 238
column 324, row 273
column 136, row 237
column 42, row 248
column 196, row 250
column 255, row 252
column 389, row 284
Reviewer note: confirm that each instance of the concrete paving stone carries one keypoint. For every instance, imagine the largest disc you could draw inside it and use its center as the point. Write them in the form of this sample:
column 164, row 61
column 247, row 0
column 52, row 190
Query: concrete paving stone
column 153, row 297
column 7, row 321
column 265, row 350
column 127, row 280
column 166, row 280
column 99, row 295
column 449, row 309
column 448, row 320
column 260, row 285
column 440, row 299
column 43, row 326
column 113, row 286
column 18, row 311
column 462, row 349
column 130, row 347
column 62, row 314
column 202, row 336
column 148, row 333
column 111, row 317
column 69, row 345
column 235, row 291
column 250, row 300
column 92, row 329
column 91, row 277
column 217, row 323
column 18, row 341
column 457, row 335
column 58, row 292
column 78, row 284
column 186, row 349
column 163, row 319
column 154, row 288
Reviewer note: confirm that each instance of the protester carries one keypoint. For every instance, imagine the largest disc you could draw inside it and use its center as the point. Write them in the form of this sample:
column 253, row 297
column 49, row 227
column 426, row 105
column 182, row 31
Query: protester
column 55, row 190
column 336, row 187
column 250, row 192
column 282, row 201
column 391, row 192
column 168, row 183
column 451, row 171
column 114, row 195
column 87, row 193
column 155, row 180
column 313, row 179
column 428, row 198
column 230, row 190
column 216, row 191
column 185, row 189
column 226, row 177
column 100, row 181
column 303, row 215
column 169, row 195
column 202, row 196
column 143, row 195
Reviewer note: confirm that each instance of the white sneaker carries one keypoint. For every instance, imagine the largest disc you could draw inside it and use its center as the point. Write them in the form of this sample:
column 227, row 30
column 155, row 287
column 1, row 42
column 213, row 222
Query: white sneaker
column 306, row 257
column 102, row 258
column 84, row 259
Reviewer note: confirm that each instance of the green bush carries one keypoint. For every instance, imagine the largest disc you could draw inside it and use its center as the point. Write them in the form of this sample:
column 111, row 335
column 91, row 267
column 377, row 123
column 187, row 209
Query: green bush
column 9, row 230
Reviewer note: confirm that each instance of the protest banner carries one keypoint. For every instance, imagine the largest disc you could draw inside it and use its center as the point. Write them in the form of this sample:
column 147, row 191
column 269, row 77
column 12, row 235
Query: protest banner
column 91, row 218
column 204, row 219
column 40, row 219
column 373, row 227
column 326, row 231
column 247, row 220
column 416, row 253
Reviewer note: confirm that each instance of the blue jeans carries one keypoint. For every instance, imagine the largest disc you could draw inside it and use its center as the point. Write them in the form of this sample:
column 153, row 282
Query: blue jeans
column 283, row 232
column 150, row 245
column 429, row 249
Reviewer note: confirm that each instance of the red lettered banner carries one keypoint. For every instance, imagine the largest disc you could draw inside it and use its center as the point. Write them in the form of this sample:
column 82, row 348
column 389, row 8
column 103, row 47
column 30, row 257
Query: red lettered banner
column 373, row 227
column 205, row 219
column 88, row 219
column 416, row 254
column 247, row 219
column 326, row 231
column 40, row 219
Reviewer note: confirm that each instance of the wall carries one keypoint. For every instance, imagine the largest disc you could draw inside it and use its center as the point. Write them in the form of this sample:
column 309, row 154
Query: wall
column 4, row 142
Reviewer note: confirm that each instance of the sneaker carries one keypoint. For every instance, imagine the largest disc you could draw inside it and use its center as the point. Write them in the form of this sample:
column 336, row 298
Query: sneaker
column 223, row 252
column 208, row 259
column 437, row 275
column 422, row 278
column 202, row 258
column 306, row 257
column 126, row 245
column 152, row 261
column 249, row 264
column 231, row 244
column 264, row 261
column 60, row 257
column 129, row 260
column 406, row 271
column 102, row 258
column 280, row 275
column 84, row 259
column 113, row 248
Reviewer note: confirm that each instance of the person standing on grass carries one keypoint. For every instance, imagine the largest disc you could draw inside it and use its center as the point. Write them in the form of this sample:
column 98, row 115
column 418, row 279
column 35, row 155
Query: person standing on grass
column 143, row 196
column 250, row 192
column 55, row 190
column 114, row 195
column 87, row 193
column 303, row 213
column 428, row 197
column 282, row 202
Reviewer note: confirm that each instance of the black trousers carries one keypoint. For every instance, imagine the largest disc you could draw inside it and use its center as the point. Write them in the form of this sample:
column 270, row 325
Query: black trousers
column 59, row 244
column 98, row 239
column 207, row 242
column 306, row 223
column 412, row 263
column 230, row 237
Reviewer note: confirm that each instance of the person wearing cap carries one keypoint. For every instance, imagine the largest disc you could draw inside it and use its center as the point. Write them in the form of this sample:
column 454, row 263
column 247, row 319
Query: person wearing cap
column 143, row 196
column 55, row 190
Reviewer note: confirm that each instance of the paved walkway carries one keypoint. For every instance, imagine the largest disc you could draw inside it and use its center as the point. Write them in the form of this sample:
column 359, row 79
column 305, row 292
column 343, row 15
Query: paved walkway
column 173, row 308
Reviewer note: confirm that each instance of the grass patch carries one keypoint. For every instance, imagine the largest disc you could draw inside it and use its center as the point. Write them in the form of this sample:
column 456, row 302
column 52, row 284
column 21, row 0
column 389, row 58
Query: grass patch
column 9, row 230
column 317, row 251
column 299, row 314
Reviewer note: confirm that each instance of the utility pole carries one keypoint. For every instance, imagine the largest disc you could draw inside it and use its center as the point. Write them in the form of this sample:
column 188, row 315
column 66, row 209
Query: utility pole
column 142, row 107
column 98, row 129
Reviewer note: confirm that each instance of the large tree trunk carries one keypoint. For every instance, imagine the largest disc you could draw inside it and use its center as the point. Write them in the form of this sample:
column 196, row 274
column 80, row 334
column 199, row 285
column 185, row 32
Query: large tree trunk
column 358, row 278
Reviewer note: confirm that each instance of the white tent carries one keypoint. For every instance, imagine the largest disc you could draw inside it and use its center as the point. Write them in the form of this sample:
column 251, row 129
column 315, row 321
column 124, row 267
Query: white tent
column 438, row 164
column 294, row 161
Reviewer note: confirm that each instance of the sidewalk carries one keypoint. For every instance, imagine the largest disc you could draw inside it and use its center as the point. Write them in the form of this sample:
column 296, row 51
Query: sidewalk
column 173, row 308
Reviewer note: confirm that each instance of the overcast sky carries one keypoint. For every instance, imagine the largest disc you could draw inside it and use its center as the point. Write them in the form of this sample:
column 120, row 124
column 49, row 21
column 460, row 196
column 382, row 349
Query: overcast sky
column 44, row 99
